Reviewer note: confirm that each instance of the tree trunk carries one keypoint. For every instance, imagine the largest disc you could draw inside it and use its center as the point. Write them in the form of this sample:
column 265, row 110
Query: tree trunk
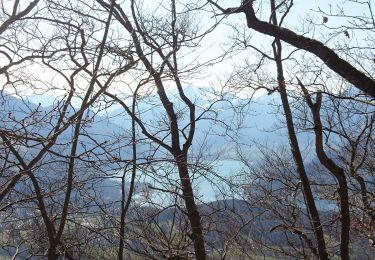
column 306, row 188
column 192, row 210
column 337, row 171
column 307, row 192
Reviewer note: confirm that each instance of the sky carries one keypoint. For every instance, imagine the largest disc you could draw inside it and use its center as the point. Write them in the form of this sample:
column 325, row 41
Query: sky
column 218, row 41
column 298, row 20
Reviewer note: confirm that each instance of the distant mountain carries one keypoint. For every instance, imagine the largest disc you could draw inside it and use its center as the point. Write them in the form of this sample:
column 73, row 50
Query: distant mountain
column 225, row 121
column 257, row 121
column 35, row 120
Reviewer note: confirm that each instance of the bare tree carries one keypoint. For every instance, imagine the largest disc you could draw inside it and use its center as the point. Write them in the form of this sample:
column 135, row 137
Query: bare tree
column 164, row 42
column 33, row 150
column 78, row 180
column 361, row 79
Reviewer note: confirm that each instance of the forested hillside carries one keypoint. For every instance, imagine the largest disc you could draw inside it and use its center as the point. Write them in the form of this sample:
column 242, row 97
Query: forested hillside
column 198, row 129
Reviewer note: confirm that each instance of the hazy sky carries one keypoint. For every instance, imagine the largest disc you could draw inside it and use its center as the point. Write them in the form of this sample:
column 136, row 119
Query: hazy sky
column 218, row 41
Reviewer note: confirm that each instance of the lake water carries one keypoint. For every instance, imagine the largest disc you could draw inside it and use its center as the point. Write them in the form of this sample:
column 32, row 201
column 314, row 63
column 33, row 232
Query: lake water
column 225, row 179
